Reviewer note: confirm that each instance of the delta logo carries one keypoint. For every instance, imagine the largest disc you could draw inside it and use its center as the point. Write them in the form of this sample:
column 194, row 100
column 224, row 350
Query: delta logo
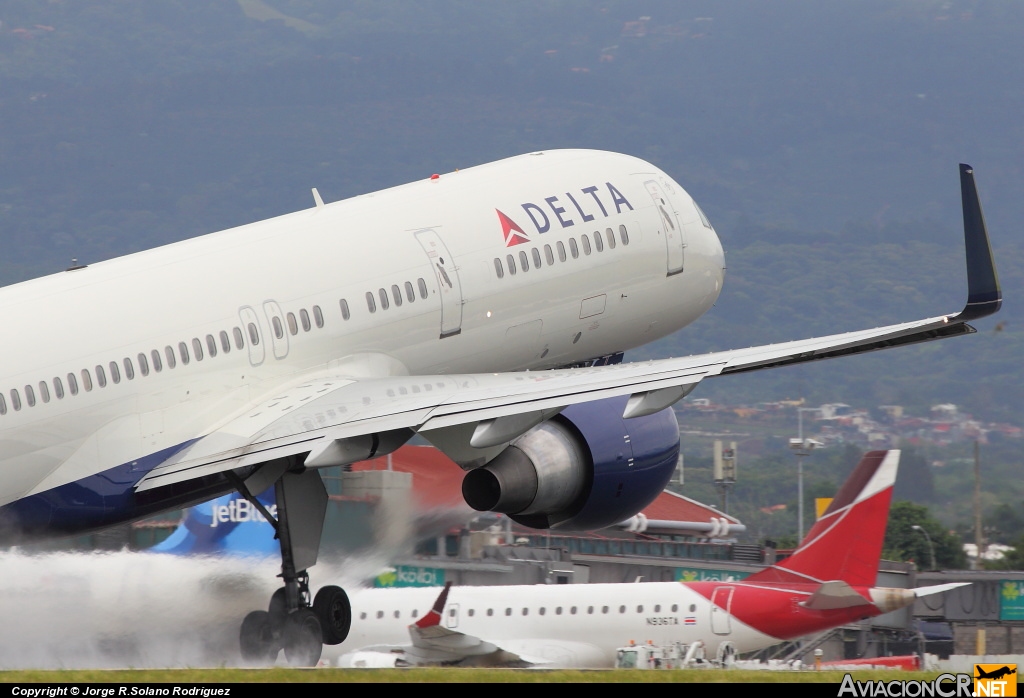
column 995, row 680
column 581, row 207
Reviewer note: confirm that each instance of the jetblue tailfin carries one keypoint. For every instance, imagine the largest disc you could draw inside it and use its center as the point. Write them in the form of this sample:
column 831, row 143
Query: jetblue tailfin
column 845, row 544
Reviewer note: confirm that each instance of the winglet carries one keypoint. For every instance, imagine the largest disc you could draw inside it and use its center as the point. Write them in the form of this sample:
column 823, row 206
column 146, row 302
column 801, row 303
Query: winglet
column 434, row 616
column 983, row 293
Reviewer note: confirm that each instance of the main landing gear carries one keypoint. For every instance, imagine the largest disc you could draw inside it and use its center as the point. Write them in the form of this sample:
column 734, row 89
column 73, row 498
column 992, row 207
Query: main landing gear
column 295, row 621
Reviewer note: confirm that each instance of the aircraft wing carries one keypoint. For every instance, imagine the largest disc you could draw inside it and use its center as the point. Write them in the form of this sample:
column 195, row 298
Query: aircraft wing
column 332, row 414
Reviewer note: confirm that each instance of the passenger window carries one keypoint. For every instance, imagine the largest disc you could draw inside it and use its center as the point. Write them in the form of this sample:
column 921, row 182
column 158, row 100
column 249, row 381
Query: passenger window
column 422, row 286
column 549, row 255
column 254, row 334
column 598, row 242
column 370, row 303
column 511, row 264
column 410, row 293
column 639, row 609
column 129, row 370
column 318, row 316
column 239, row 337
column 499, row 270
column 15, row 399
column 345, row 315
column 143, row 364
column 183, row 351
column 115, row 372
column 58, row 387
column 225, row 341
column 304, row 318
column 86, row 380
column 575, row 251
column 278, row 328
column 624, row 235
column 3, row 404
column 211, row 345
column 44, row 391
column 561, row 251
column 171, row 360
column 30, row 396
column 396, row 293
column 586, row 243
column 524, row 261
column 293, row 325
column 72, row 384
column 384, row 303
column 101, row 377
column 197, row 346
column 536, row 258
column 157, row 364
column 610, row 234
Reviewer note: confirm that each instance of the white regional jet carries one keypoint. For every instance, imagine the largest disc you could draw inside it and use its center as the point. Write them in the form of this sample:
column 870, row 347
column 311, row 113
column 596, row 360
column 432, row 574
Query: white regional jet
column 486, row 309
column 827, row 582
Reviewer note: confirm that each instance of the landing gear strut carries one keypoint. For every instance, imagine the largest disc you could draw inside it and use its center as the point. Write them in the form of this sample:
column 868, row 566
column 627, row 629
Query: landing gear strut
column 294, row 621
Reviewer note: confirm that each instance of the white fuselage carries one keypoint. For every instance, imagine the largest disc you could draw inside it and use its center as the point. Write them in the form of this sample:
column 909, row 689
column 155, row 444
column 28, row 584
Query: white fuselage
column 283, row 298
column 570, row 625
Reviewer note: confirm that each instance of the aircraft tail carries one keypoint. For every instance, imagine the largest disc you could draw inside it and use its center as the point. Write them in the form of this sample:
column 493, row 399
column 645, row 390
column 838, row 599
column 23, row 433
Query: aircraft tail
column 845, row 544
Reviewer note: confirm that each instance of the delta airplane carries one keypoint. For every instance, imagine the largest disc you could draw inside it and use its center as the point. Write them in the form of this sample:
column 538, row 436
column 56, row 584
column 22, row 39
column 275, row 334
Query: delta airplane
column 827, row 582
column 485, row 309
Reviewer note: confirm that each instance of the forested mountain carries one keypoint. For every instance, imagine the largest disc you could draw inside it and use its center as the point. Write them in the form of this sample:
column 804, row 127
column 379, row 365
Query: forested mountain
column 822, row 140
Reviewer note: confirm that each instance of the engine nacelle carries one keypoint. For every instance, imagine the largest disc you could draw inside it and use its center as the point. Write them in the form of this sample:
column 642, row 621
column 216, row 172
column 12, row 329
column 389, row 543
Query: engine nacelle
column 584, row 469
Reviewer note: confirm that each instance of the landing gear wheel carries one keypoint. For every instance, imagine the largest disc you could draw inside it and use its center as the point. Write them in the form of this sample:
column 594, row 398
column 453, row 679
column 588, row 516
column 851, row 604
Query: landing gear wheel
column 303, row 639
column 256, row 638
column 278, row 608
column 333, row 610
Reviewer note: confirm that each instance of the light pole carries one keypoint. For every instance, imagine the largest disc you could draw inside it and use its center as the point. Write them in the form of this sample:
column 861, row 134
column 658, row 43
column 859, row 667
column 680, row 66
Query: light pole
column 931, row 548
column 802, row 447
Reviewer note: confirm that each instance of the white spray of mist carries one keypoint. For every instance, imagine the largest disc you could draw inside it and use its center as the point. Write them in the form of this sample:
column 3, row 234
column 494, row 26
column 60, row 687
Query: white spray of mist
column 140, row 610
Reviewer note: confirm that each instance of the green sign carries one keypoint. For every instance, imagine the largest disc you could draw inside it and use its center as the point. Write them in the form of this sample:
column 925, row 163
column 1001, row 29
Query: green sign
column 406, row 576
column 1011, row 600
column 693, row 574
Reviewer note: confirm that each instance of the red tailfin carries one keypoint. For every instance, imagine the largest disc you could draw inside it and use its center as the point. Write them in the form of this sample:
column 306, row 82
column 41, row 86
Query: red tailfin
column 846, row 542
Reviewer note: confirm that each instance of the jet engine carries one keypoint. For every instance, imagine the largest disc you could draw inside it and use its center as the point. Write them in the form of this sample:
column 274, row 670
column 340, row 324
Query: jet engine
column 584, row 469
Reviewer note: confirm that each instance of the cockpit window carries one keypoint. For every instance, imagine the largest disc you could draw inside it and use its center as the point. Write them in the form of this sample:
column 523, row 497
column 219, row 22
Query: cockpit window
column 703, row 218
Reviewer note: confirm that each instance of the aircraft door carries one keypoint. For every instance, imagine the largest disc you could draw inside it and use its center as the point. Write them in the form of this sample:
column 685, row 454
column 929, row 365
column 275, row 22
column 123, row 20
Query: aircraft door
column 721, row 606
column 451, row 616
column 251, row 330
column 278, row 331
column 669, row 222
column 447, row 276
